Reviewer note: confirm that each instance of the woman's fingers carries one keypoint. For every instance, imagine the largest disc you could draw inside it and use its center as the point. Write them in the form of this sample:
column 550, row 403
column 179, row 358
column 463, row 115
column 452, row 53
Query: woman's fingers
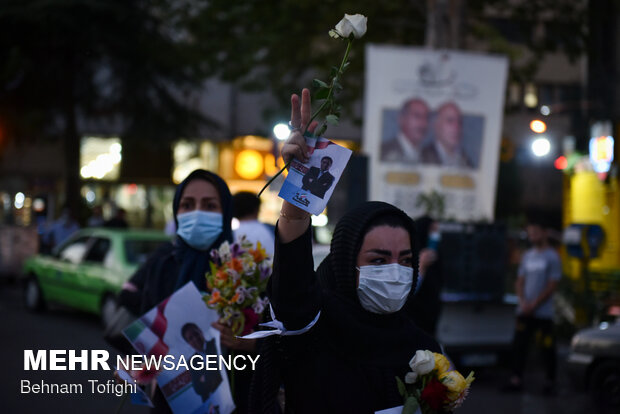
column 312, row 127
column 306, row 107
column 295, row 147
column 295, row 111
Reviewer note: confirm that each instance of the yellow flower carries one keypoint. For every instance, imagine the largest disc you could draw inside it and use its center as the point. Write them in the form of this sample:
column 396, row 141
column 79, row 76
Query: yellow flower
column 456, row 384
column 442, row 365
column 259, row 254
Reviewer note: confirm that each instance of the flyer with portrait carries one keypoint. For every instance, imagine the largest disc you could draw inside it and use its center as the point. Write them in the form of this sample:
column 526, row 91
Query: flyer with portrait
column 177, row 338
column 310, row 185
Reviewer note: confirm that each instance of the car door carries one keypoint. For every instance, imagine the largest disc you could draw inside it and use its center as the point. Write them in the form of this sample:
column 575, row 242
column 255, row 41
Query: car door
column 93, row 279
column 57, row 276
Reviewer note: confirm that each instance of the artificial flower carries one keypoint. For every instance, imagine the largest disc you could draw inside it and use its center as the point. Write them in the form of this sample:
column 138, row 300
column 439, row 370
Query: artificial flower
column 411, row 377
column 434, row 394
column 442, row 365
column 422, row 362
column 352, row 24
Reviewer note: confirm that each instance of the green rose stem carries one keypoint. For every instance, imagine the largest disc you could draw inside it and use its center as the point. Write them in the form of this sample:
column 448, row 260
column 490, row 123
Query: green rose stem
column 122, row 403
column 328, row 101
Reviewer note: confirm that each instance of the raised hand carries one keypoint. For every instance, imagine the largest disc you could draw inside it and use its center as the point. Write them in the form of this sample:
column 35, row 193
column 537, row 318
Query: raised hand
column 295, row 145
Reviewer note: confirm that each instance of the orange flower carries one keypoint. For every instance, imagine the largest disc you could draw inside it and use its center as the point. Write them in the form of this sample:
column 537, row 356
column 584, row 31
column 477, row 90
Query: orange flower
column 236, row 265
column 221, row 275
column 215, row 297
column 234, row 298
column 259, row 253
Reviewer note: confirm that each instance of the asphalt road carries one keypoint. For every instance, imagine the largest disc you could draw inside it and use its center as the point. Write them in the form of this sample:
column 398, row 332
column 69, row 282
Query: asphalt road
column 66, row 329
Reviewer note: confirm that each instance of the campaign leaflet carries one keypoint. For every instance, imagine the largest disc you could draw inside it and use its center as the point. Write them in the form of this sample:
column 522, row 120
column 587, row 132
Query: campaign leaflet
column 177, row 330
column 310, row 185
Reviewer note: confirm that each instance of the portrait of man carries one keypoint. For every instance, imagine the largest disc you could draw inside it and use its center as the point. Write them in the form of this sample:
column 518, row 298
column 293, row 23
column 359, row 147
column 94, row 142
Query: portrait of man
column 412, row 130
column 446, row 148
column 319, row 180
column 204, row 382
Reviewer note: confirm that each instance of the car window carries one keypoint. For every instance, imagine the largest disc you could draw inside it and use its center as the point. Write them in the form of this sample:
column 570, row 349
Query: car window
column 98, row 251
column 137, row 251
column 74, row 251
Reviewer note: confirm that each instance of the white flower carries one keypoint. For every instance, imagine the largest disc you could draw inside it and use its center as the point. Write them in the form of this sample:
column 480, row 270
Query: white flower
column 411, row 377
column 422, row 362
column 259, row 306
column 224, row 251
column 352, row 24
column 242, row 294
column 249, row 266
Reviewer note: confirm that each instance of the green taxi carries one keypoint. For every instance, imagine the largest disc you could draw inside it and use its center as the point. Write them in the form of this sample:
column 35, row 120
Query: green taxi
column 88, row 270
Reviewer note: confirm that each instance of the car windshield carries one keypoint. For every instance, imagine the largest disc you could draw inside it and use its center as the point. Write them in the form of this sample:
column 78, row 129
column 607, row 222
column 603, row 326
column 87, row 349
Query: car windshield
column 137, row 251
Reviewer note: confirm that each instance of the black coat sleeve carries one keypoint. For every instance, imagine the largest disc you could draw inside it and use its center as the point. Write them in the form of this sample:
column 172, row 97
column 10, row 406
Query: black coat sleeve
column 293, row 288
column 133, row 300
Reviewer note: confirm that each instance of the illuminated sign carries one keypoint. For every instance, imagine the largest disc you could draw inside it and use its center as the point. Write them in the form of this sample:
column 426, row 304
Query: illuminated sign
column 601, row 153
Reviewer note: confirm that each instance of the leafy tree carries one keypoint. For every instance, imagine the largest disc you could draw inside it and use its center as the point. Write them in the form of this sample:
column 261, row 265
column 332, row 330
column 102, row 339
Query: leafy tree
column 67, row 63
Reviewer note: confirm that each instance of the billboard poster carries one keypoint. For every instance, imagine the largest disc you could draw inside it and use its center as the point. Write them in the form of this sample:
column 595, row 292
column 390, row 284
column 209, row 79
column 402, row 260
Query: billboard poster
column 432, row 124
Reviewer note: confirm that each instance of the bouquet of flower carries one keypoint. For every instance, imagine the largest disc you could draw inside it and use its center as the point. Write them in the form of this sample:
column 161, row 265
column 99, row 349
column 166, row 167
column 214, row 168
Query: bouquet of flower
column 433, row 386
column 239, row 274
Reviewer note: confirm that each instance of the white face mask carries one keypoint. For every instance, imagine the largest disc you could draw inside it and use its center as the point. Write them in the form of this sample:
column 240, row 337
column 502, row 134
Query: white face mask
column 384, row 288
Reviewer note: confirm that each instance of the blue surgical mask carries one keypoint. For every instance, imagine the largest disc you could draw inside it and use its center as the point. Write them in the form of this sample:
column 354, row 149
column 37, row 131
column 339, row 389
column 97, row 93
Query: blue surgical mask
column 199, row 228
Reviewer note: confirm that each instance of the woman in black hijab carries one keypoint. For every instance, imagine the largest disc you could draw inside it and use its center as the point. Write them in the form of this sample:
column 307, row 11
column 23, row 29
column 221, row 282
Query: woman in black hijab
column 353, row 336
column 202, row 208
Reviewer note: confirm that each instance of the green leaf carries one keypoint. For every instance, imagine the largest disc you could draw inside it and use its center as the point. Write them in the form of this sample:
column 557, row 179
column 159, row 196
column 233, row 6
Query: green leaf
column 402, row 389
column 332, row 119
column 317, row 83
column 411, row 405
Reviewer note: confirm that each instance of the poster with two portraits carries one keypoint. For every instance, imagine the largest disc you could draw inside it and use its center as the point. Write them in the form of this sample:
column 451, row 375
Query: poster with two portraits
column 433, row 122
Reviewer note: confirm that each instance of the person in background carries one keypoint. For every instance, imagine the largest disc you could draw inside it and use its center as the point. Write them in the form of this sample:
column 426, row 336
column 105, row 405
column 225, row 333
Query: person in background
column 425, row 307
column 61, row 229
column 447, row 149
column 202, row 209
column 96, row 218
column 246, row 207
column 537, row 279
column 413, row 126
column 118, row 221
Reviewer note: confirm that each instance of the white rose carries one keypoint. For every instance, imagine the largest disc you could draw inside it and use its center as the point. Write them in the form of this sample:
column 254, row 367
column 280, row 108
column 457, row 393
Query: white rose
column 422, row 362
column 352, row 23
column 411, row 377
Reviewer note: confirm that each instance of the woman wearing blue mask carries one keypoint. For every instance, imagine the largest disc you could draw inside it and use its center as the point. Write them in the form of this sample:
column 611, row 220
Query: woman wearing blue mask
column 202, row 209
column 346, row 335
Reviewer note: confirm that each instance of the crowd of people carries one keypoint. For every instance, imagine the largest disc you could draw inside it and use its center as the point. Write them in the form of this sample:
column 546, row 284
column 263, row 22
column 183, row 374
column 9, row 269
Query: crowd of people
column 370, row 304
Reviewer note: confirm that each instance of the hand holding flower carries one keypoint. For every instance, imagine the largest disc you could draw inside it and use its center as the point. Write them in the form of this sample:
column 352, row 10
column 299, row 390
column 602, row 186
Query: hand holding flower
column 229, row 340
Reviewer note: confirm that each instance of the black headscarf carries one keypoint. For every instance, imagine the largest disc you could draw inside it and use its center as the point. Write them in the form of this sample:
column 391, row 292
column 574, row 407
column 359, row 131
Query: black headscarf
column 174, row 264
column 384, row 342
column 193, row 264
column 352, row 330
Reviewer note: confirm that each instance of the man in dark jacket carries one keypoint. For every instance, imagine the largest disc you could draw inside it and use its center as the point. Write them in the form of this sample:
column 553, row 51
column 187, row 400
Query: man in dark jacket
column 204, row 382
column 318, row 181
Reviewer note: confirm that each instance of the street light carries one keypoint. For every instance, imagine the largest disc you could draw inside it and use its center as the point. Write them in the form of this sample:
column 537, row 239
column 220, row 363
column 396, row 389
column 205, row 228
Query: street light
column 541, row 147
column 538, row 126
column 281, row 131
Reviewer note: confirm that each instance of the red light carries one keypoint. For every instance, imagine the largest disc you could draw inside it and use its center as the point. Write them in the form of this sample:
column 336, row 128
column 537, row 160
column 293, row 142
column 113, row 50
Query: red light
column 560, row 163
column 132, row 189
